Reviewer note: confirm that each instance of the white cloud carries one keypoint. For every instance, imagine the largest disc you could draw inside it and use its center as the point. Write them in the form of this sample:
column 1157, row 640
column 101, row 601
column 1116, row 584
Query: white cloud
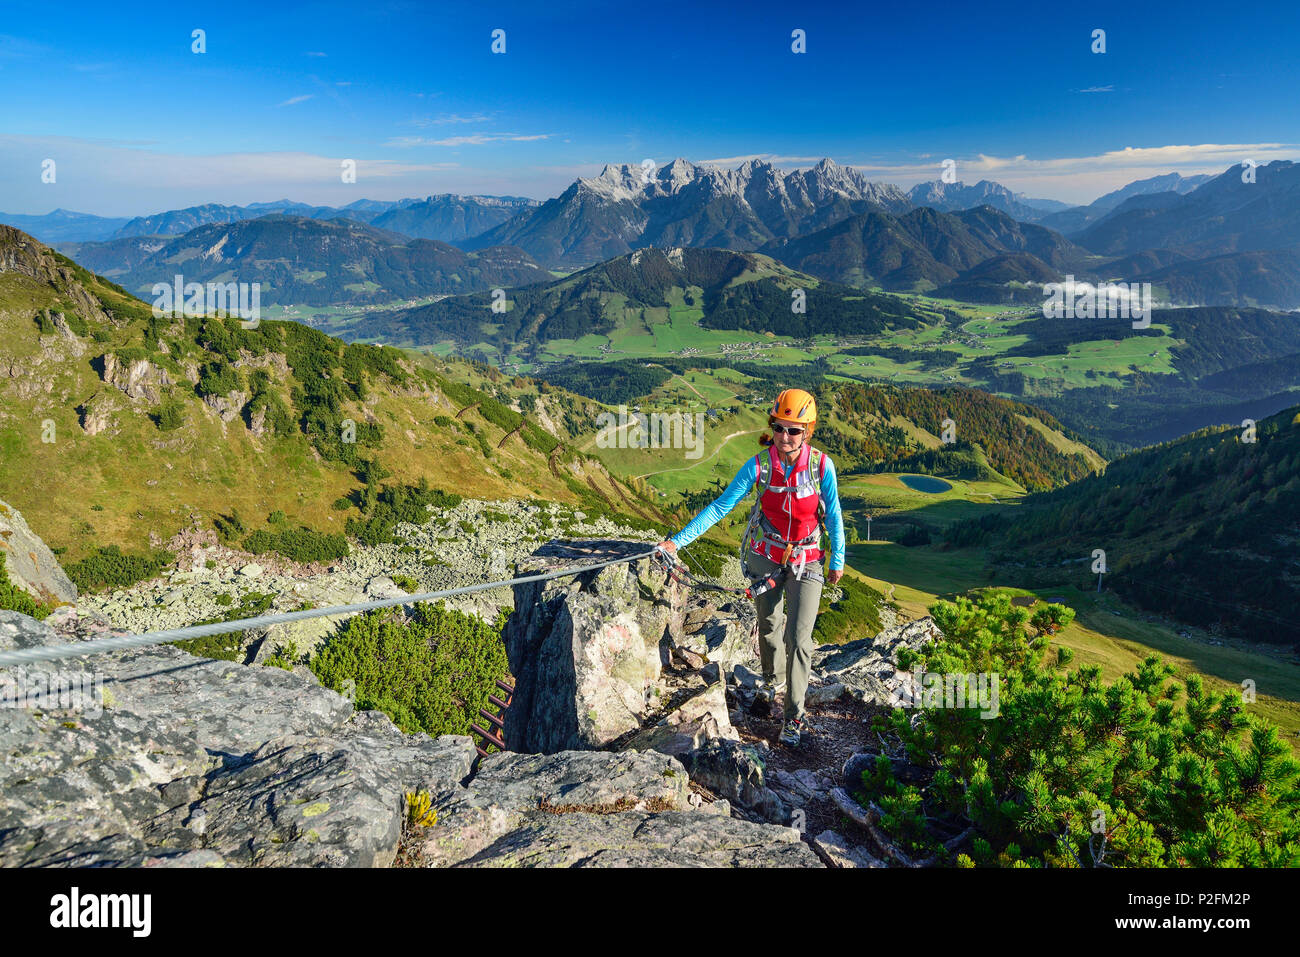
column 297, row 99
column 1099, row 89
column 315, row 53
column 1081, row 179
column 478, row 139
column 442, row 118
column 111, row 179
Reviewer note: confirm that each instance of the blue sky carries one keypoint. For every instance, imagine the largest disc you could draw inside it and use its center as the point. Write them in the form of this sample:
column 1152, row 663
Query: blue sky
column 138, row 123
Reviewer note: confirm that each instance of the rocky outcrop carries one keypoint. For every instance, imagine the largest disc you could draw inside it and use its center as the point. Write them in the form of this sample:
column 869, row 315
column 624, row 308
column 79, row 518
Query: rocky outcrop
column 21, row 253
column 30, row 563
column 701, row 719
column 257, row 423
column 584, row 649
column 178, row 755
column 596, row 809
column 184, row 761
column 95, row 415
column 138, row 378
column 227, row 407
column 868, row 668
column 75, row 345
column 838, row 852
column 623, row 751
column 626, row 659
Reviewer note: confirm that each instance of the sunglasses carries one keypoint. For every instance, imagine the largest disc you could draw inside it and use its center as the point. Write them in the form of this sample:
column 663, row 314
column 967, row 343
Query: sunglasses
column 788, row 430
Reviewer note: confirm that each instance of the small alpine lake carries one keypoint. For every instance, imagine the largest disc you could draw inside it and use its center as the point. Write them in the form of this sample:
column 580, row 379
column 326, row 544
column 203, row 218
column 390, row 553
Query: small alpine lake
column 925, row 483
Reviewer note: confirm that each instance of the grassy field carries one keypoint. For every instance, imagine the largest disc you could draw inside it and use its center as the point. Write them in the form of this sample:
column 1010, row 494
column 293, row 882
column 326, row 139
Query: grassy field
column 892, row 505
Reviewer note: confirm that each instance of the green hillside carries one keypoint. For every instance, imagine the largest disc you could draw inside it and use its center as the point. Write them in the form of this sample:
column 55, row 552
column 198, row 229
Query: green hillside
column 1205, row 528
column 118, row 428
column 304, row 261
column 714, row 288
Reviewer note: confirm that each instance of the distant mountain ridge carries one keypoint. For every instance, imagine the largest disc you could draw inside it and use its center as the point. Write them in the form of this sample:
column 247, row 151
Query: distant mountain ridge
column 450, row 218
column 65, row 225
column 927, row 248
column 955, row 197
column 1072, row 220
column 1223, row 215
column 440, row 217
column 1229, row 241
column 1203, row 240
column 681, row 204
column 733, row 290
column 445, row 217
column 307, row 261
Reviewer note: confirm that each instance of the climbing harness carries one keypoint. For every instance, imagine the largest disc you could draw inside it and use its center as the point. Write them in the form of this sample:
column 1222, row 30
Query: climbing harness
column 759, row 530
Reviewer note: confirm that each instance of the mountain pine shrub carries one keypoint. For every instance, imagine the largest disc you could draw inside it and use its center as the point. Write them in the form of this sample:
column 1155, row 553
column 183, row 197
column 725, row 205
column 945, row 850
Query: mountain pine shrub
column 13, row 598
column 430, row 673
column 110, row 567
column 1169, row 775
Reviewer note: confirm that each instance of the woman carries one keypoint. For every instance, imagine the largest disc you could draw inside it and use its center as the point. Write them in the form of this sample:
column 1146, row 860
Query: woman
column 796, row 489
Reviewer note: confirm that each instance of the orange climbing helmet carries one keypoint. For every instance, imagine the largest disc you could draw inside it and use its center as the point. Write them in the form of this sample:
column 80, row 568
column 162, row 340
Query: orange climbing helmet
column 794, row 405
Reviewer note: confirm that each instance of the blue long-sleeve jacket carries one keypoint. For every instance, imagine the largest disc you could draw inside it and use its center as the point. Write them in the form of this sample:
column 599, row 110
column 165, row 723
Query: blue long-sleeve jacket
column 743, row 484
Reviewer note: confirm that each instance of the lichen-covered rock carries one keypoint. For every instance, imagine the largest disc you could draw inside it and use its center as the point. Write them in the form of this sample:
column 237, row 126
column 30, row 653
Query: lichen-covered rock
column 333, row 801
column 728, row 637
column 508, row 788
column 638, row 839
column 838, row 852
column 596, row 808
column 255, row 765
column 584, row 650
column 738, row 773
column 701, row 719
column 868, row 668
column 29, row 562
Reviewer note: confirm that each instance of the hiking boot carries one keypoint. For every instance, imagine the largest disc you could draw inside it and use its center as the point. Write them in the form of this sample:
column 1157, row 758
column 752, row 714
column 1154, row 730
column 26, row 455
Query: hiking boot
column 765, row 695
column 792, row 732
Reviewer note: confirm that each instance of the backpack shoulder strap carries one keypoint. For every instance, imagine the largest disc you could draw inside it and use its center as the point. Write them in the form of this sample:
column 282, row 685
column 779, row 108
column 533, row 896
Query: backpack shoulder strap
column 815, row 467
column 764, row 479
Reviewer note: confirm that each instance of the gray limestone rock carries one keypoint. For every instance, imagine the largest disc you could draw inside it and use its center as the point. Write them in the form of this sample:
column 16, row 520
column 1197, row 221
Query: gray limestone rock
column 584, row 650
column 29, row 562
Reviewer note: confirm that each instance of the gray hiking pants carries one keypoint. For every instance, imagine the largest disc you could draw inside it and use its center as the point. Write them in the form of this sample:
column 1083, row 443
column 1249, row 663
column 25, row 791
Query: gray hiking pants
column 785, row 641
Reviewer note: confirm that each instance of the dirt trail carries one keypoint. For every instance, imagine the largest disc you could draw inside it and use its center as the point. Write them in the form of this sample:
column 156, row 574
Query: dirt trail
column 837, row 731
column 692, row 388
column 715, row 452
